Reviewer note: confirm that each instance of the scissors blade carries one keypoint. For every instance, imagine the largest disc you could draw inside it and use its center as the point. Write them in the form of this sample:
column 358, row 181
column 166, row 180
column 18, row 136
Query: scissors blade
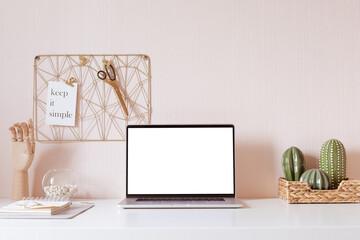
column 122, row 102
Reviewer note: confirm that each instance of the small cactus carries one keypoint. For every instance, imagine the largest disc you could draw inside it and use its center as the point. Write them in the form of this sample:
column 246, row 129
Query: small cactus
column 333, row 161
column 293, row 164
column 317, row 179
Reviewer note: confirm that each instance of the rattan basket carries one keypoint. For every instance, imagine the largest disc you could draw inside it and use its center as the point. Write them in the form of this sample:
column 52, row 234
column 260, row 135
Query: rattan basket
column 300, row 192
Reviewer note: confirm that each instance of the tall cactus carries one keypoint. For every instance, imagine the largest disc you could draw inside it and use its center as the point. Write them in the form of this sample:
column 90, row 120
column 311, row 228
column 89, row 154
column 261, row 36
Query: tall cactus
column 293, row 164
column 333, row 161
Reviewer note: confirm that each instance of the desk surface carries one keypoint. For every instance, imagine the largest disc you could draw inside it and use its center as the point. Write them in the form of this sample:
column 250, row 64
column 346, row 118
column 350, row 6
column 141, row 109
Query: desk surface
column 259, row 219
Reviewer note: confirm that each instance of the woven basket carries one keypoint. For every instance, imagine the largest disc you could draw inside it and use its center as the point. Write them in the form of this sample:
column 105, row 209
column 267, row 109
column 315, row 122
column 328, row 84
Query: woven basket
column 300, row 192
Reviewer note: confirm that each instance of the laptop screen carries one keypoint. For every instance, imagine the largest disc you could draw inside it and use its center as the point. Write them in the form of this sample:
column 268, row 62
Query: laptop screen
column 180, row 160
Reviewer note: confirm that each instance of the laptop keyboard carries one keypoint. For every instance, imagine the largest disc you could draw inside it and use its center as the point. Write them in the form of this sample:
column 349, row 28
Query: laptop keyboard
column 182, row 199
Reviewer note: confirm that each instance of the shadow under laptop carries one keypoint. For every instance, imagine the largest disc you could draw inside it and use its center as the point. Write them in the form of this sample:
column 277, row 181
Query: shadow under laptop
column 255, row 171
column 178, row 218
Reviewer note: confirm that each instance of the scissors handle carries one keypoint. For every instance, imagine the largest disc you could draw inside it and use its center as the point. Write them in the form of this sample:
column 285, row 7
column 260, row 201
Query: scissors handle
column 101, row 74
column 112, row 76
column 118, row 93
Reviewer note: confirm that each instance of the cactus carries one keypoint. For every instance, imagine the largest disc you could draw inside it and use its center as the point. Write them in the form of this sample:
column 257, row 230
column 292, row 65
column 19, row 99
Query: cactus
column 293, row 164
column 317, row 179
column 333, row 161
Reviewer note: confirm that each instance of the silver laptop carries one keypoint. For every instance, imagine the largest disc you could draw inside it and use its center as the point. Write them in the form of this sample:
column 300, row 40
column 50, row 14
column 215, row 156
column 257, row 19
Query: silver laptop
column 180, row 166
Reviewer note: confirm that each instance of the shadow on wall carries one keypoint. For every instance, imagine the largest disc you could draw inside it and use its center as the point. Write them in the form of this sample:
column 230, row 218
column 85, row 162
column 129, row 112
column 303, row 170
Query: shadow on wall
column 255, row 171
column 311, row 161
column 353, row 164
column 56, row 156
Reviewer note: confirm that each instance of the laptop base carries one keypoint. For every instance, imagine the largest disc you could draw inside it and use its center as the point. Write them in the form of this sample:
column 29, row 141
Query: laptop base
column 131, row 203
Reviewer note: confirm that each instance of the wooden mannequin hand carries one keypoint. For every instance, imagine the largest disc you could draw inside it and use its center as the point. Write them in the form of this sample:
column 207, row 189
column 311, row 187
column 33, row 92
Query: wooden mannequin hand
column 22, row 155
column 22, row 145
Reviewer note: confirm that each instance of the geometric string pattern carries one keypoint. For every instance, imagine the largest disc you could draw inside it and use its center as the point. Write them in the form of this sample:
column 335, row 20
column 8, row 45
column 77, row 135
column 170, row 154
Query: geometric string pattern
column 99, row 114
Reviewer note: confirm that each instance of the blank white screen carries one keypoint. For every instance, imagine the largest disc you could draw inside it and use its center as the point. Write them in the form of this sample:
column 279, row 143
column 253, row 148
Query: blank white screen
column 180, row 160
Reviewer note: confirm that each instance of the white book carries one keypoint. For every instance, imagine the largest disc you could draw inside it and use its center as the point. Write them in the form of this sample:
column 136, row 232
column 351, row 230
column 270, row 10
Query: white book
column 44, row 206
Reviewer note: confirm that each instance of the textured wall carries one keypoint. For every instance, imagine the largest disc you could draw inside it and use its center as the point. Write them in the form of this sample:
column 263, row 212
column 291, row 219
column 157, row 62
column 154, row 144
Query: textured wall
column 284, row 72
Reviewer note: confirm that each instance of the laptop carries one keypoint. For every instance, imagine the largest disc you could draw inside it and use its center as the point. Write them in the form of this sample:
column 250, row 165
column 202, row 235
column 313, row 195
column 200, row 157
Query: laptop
column 180, row 166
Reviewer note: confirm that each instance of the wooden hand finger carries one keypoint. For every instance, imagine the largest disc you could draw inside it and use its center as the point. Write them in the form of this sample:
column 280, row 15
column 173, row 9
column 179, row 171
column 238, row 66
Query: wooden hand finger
column 13, row 134
column 31, row 134
column 19, row 132
column 25, row 129
column 28, row 148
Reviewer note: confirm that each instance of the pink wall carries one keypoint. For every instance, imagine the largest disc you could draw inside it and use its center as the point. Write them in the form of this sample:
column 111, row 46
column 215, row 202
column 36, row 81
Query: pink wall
column 284, row 72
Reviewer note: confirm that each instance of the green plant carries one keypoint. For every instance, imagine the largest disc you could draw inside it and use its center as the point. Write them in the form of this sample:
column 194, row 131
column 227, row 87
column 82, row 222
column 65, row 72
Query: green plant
column 293, row 164
column 333, row 161
column 317, row 179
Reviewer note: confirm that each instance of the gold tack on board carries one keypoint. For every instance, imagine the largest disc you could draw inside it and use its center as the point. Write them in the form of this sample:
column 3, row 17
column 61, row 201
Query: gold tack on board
column 83, row 60
column 71, row 81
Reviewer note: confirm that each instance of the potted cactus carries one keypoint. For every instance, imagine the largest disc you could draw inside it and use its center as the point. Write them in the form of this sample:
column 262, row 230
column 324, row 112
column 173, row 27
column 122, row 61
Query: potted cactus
column 293, row 164
column 325, row 185
column 317, row 179
column 333, row 161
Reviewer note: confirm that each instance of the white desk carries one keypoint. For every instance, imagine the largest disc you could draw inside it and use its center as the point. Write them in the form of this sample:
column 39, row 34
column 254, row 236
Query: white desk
column 259, row 219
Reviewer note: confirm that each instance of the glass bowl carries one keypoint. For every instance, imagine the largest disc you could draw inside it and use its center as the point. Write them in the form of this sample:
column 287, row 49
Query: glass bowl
column 60, row 183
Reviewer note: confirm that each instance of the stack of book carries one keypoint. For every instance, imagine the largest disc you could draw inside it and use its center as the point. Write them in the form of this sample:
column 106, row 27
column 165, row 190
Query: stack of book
column 44, row 206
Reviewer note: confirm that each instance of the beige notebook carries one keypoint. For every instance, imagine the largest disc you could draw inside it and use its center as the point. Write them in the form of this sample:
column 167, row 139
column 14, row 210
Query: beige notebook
column 44, row 206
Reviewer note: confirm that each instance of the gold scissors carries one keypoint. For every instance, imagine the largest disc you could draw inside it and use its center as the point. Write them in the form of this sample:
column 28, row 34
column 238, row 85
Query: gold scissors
column 109, row 78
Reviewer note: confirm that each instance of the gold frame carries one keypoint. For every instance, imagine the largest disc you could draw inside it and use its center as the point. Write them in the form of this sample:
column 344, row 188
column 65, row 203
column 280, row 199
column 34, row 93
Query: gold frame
column 100, row 116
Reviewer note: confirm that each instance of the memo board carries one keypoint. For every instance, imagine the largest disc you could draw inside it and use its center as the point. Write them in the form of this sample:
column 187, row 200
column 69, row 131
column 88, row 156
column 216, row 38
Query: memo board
column 99, row 113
